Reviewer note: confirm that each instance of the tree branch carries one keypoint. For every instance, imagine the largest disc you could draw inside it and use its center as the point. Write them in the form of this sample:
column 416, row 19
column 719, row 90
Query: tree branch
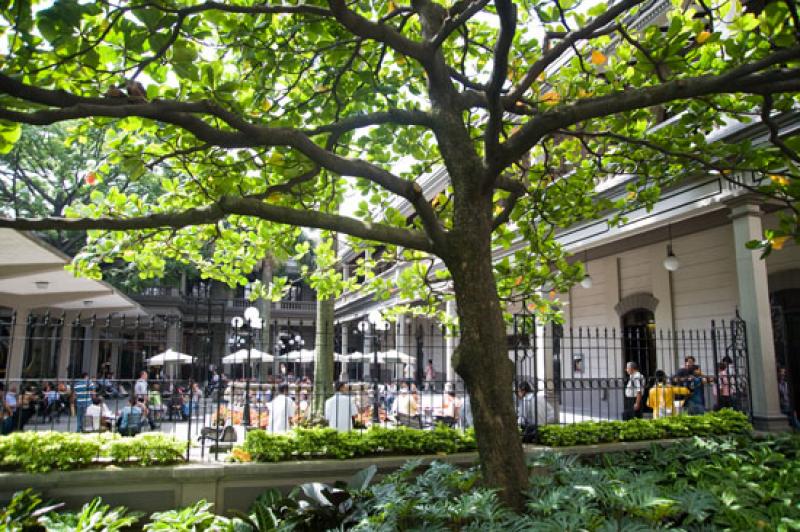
column 247, row 135
column 368, row 29
column 744, row 78
column 457, row 16
column 586, row 32
column 507, row 12
column 774, row 130
column 228, row 205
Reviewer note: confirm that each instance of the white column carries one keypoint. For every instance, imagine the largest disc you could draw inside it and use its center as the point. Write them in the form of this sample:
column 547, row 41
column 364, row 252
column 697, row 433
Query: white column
column 754, row 307
column 345, row 347
column 19, row 335
column 450, row 342
column 64, row 349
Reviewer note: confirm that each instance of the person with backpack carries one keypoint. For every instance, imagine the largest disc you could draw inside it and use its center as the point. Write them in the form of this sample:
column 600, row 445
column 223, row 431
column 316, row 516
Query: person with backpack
column 634, row 392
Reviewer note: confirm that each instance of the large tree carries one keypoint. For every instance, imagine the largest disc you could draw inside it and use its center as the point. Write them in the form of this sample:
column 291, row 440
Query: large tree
column 268, row 113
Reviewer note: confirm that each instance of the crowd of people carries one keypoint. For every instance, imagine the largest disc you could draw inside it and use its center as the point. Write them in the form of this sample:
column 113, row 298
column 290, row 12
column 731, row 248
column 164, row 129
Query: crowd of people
column 85, row 400
column 684, row 392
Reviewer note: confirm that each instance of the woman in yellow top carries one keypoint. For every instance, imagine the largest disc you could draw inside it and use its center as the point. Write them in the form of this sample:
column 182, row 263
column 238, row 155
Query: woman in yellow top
column 662, row 396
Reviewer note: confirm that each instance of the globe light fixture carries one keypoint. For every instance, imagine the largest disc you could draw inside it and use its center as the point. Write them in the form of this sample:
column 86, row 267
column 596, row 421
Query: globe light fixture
column 671, row 262
column 586, row 282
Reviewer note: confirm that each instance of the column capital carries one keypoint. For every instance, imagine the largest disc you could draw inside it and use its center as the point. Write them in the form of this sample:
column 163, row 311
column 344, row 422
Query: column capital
column 742, row 206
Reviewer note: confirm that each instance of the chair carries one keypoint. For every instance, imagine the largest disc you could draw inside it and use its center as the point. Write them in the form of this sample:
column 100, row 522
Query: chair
column 91, row 424
column 406, row 420
column 222, row 437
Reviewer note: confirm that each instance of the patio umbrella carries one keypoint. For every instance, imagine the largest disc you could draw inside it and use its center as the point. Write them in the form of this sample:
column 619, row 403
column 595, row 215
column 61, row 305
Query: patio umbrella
column 358, row 356
column 170, row 357
column 303, row 355
column 393, row 356
column 240, row 357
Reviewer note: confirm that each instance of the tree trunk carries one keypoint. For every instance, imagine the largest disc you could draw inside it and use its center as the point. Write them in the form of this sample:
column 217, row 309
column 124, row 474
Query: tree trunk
column 481, row 359
column 323, row 357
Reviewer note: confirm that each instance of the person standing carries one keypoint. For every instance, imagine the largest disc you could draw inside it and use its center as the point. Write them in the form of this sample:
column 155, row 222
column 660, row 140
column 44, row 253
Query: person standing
column 634, row 392
column 281, row 410
column 140, row 388
column 340, row 409
column 430, row 375
column 82, row 392
column 696, row 403
column 662, row 397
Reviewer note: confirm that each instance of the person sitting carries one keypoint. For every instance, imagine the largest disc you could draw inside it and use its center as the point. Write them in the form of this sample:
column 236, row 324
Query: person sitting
column 533, row 410
column 662, row 397
column 406, row 403
column 130, row 418
column 101, row 417
column 341, row 409
column 451, row 407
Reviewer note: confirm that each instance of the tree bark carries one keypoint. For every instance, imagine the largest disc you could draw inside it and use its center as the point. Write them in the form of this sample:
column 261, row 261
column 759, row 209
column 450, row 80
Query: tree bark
column 481, row 358
column 323, row 357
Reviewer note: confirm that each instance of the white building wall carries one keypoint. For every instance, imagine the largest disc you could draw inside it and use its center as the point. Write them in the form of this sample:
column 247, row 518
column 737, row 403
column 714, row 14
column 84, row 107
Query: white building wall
column 704, row 288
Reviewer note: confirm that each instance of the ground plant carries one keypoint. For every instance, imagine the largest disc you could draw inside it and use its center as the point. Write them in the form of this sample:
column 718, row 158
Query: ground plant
column 262, row 117
column 39, row 452
column 737, row 483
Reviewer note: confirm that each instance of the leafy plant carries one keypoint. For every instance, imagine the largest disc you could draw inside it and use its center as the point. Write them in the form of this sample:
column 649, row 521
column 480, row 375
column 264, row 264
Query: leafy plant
column 190, row 519
column 39, row 452
column 312, row 506
column 329, row 443
column 725, row 421
column 94, row 515
column 24, row 510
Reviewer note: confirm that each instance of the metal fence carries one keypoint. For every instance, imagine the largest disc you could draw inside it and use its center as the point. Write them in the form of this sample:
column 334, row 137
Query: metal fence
column 393, row 374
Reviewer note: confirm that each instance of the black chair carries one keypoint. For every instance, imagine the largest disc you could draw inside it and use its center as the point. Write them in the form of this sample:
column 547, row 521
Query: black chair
column 406, row 420
column 221, row 437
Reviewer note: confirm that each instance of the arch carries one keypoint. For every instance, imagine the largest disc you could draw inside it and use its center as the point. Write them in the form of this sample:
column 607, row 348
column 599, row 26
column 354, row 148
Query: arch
column 641, row 300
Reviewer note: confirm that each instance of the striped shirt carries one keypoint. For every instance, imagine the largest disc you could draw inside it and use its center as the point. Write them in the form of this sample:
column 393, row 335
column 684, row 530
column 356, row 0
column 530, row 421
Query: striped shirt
column 83, row 393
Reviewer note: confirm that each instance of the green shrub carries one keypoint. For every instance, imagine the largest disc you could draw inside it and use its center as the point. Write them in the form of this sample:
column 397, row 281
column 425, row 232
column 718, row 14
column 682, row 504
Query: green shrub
column 39, row 452
column 591, row 432
column 329, row 443
column 147, row 449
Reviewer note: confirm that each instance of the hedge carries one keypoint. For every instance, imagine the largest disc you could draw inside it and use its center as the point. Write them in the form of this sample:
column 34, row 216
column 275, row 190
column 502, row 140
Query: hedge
column 320, row 443
column 39, row 452
column 261, row 446
column 719, row 423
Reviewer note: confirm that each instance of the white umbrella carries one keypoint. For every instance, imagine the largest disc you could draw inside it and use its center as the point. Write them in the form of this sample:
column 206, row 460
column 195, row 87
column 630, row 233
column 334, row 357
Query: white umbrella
column 303, row 355
column 393, row 356
column 170, row 357
column 240, row 357
column 358, row 356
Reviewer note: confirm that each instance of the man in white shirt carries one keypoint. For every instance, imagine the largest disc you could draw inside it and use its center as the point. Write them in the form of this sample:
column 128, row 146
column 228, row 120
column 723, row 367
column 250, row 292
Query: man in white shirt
column 281, row 410
column 140, row 388
column 99, row 413
column 340, row 409
column 634, row 392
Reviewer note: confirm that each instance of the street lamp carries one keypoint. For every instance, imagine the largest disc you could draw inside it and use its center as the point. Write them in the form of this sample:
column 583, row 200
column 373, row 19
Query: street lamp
column 374, row 322
column 251, row 321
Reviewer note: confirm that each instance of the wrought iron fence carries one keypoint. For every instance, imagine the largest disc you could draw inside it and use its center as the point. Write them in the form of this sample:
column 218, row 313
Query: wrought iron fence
column 396, row 374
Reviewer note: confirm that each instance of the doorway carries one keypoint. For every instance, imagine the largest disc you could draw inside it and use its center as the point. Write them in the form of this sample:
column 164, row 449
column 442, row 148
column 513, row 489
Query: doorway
column 639, row 340
column 786, row 332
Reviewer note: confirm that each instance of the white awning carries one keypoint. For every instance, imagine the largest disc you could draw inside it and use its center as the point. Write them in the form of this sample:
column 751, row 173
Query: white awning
column 170, row 357
column 242, row 355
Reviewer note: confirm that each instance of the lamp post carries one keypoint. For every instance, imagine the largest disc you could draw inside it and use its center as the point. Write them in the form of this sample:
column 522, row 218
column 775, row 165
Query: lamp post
column 250, row 322
column 374, row 322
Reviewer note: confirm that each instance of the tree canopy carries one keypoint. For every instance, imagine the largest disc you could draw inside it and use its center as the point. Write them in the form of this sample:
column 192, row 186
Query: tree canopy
column 259, row 115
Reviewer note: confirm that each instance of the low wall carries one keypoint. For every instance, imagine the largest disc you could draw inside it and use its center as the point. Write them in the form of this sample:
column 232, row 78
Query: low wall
column 228, row 485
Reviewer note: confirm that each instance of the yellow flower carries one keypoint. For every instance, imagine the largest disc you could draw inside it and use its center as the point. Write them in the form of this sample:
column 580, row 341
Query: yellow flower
column 240, row 455
column 518, row 281
column 598, row 57
column 550, row 97
column 778, row 242
column 779, row 180
column 703, row 36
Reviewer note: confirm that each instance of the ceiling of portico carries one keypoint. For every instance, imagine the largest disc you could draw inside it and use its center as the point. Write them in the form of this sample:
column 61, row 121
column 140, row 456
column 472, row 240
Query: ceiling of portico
column 32, row 276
